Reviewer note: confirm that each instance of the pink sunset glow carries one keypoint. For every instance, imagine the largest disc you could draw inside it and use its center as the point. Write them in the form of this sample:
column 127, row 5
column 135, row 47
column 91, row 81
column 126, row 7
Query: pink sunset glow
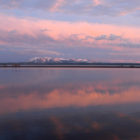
column 67, row 99
column 27, row 33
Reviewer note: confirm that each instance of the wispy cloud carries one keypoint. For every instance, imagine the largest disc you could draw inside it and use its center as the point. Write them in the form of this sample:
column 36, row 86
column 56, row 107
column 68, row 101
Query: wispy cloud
column 90, row 7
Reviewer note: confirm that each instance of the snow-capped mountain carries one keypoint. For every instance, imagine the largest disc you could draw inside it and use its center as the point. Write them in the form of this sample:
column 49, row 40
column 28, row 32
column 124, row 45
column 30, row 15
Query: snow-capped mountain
column 47, row 60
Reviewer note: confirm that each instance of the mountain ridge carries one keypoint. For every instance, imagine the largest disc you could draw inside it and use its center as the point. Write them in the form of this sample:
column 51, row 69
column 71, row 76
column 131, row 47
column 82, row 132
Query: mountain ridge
column 48, row 60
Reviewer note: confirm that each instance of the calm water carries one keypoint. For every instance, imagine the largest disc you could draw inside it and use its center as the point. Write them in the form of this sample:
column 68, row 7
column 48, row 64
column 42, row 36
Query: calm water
column 69, row 104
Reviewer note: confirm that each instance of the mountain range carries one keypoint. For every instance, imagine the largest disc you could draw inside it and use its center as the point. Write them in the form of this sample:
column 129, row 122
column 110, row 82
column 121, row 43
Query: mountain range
column 49, row 60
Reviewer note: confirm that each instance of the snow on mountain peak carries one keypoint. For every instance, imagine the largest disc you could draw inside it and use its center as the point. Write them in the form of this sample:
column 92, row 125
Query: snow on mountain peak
column 56, row 60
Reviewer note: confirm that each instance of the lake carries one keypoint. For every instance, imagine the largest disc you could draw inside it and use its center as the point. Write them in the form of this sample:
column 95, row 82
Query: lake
column 69, row 104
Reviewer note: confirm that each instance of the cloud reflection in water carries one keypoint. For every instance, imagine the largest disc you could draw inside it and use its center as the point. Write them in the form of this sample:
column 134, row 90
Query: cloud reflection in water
column 70, row 104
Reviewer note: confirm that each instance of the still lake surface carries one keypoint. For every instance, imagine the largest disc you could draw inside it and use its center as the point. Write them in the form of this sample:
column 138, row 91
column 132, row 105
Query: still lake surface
column 65, row 104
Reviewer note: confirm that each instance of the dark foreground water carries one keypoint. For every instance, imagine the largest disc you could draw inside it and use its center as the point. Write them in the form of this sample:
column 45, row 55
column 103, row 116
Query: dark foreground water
column 69, row 104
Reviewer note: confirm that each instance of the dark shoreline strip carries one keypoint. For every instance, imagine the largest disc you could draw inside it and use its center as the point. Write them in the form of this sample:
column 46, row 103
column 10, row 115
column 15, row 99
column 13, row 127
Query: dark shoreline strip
column 71, row 66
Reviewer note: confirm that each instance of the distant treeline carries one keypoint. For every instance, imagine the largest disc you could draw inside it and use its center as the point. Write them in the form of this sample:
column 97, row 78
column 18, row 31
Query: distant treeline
column 81, row 64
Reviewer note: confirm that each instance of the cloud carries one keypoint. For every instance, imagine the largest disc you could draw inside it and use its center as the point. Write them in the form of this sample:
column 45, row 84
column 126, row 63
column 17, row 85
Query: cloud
column 89, row 7
column 97, row 2
column 110, row 37
column 57, row 5
column 60, row 98
column 58, row 30
column 32, row 36
column 59, row 127
column 88, row 89
column 27, row 4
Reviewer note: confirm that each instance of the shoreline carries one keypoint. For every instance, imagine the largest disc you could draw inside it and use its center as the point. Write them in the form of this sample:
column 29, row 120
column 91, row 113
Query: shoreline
column 72, row 66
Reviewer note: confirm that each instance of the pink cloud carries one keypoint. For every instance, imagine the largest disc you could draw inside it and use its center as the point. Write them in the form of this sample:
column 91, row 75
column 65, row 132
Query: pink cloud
column 57, row 5
column 2, row 87
column 60, row 98
column 32, row 32
column 97, row 2
column 58, row 29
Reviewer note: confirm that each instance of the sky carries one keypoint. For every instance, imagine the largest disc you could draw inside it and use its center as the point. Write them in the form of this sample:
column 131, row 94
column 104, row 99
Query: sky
column 98, row 30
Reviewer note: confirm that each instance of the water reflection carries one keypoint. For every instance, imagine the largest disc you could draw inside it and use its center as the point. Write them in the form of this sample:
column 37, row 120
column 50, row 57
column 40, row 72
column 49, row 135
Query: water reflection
column 69, row 104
